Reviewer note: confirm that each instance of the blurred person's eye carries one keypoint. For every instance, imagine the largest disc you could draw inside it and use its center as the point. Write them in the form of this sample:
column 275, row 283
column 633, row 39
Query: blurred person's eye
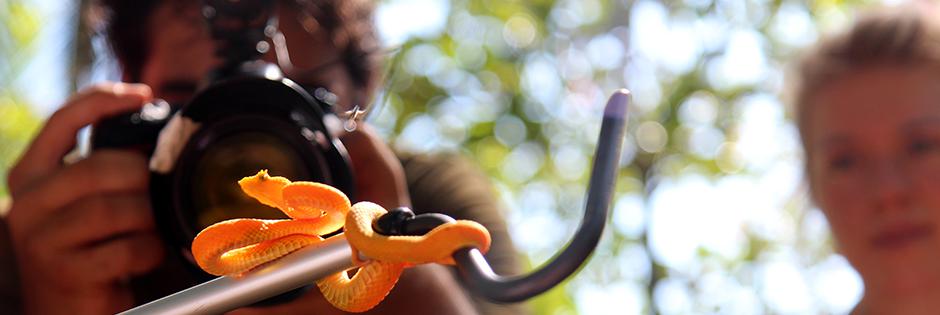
column 924, row 145
column 842, row 162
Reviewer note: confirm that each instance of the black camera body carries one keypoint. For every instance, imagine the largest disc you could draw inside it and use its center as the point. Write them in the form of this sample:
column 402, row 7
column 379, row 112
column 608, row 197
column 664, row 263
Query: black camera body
column 246, row 117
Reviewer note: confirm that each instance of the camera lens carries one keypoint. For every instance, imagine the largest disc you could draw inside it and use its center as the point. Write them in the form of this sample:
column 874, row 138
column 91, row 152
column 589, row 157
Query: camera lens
column 228, row 131
column 203, row 187
column 216, row 195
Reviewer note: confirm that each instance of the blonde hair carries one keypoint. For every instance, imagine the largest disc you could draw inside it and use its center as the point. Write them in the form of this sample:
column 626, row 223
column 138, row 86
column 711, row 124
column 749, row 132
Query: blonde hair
column 896, row 36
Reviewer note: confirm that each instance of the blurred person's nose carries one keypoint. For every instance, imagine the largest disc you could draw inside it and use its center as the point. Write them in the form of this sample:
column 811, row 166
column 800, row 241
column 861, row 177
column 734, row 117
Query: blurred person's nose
column 890, row 184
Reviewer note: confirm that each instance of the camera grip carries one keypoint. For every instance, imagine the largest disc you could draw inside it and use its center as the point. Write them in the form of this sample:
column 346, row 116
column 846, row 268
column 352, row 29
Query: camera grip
column 133, row 130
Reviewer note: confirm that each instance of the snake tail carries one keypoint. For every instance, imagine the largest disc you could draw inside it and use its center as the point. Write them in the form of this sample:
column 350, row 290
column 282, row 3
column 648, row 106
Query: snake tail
column 369, row 286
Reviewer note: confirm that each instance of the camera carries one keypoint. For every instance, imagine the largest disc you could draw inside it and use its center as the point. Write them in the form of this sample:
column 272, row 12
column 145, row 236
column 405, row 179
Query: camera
column 245, row 116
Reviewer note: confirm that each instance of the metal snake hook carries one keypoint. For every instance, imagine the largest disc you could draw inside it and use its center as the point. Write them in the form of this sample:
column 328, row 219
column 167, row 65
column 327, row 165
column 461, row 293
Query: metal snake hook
column 478, row 273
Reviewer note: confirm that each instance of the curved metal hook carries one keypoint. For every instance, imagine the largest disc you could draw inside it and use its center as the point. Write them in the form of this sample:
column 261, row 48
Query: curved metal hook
column 480, row 276
column 478, row 273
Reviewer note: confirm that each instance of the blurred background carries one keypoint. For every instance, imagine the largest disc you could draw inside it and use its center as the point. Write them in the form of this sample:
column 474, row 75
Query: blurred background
column 711, row 214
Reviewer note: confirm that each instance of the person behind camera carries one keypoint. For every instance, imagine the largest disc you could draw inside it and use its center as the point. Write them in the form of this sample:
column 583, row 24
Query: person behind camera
column 868, row 107
column 82, row 237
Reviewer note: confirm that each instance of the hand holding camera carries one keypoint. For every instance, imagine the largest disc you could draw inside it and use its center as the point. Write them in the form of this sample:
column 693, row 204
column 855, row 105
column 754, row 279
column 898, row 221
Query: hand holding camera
column 79, row 231
column 380, row 177
column 82, row 231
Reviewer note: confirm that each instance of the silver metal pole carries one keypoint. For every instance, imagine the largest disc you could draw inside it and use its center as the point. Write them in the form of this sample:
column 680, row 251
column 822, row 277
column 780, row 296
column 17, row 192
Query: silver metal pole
column 224, row 294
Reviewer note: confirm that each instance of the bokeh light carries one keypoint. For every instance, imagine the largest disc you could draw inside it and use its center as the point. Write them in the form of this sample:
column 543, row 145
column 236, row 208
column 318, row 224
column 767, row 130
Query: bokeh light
column 711, row 215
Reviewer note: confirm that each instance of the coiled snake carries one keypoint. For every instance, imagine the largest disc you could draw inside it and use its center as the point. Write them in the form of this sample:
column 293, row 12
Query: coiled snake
column 235, row 246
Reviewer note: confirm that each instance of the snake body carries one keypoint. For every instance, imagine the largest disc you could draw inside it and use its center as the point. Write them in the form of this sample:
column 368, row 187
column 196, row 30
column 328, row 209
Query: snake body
column 235, row 246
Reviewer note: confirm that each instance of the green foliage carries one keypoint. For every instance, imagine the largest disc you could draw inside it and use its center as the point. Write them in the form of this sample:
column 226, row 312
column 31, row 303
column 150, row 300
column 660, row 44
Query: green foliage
column 17, row 36
column 19, row 125
column 555, row 301
column 513, row 85
column 20, row 28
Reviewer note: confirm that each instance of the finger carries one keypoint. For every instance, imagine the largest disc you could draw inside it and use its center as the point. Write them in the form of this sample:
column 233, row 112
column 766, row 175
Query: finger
column 370, row 156
column 107, row 171
column 97, row 218
column 115, row 260
column 366, row 150
column 363, row 134
column 57, row 137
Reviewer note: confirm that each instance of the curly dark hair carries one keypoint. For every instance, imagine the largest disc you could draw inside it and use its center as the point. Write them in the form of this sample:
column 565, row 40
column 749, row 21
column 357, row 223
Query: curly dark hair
column 348, row 23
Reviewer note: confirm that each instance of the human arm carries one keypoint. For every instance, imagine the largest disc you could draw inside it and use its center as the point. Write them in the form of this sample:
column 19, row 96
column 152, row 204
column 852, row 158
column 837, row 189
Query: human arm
column 451, row 184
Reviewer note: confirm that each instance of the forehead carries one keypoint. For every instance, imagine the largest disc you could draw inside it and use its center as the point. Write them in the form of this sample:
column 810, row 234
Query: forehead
column 174, row 25
column 179, row 48
column 877, row 100
column 182, row 52
column 177, row 30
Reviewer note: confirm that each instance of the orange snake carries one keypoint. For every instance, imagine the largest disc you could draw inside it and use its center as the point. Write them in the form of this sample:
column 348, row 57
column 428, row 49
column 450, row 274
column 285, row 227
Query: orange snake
column 235, row 246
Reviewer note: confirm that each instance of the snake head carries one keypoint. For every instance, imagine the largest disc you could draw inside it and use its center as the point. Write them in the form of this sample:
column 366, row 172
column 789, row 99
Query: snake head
column 265, row 188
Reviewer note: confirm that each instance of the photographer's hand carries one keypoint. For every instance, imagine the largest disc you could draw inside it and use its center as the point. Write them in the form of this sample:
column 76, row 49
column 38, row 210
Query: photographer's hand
column 380, row 177
column 79, row 231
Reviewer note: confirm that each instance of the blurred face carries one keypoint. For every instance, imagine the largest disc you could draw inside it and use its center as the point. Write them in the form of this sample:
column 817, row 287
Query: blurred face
column 181, row 53
column 873, row 143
